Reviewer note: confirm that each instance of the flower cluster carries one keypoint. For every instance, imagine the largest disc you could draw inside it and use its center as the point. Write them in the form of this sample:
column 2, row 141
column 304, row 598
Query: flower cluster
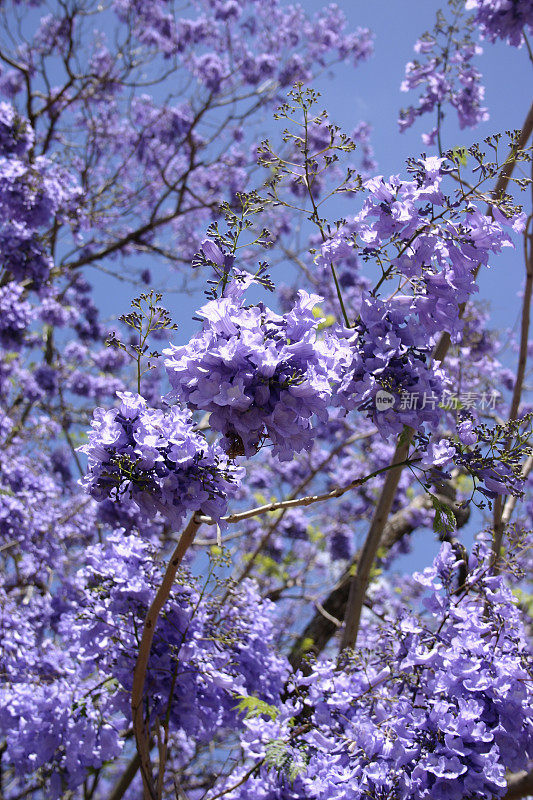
column 259, row 374
column 42, row 691
column 446, row 74
column 59, row 672
column 15, row 315
column 203, row 654
column 492, row 455
column 391, row 343
column 201, row 42
column 414, row 222
column 441, row 709
column 16, row 135
column 503, row 19
column 157, row 460
column 24, row 255
column 41, row 525
column 31, row 194
column 386, row 357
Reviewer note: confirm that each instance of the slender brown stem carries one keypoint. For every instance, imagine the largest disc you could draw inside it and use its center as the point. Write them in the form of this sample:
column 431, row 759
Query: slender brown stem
column 303, row 501
column 142, row 738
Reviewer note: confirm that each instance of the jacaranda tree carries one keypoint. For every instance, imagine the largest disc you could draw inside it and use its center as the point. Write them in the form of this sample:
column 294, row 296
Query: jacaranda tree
column 200, row 596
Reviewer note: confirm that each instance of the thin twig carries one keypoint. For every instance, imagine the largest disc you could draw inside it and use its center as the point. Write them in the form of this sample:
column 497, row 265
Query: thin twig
column 304, row 501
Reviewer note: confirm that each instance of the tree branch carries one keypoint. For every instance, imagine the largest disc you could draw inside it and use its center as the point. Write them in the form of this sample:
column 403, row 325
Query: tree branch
column 305, row 482
column 126, row 778
column 139, row 673
column 507, row 171
column 498, row 523
column 304, row 501
column 519, row 785
column 359, row 581
column 319, row 630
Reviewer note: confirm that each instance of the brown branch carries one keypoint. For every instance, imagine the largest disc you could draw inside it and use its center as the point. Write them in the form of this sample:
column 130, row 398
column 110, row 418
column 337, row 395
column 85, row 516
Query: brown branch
column 306, row 481
column 359, row 581
column 126, row 778
column 303, row 501
column 519, row 785
column 142, row 739
column 507, row 170
column 133, row 236
column 498, row 523
column 510, row 503
column 524, row 330
column 319, row 630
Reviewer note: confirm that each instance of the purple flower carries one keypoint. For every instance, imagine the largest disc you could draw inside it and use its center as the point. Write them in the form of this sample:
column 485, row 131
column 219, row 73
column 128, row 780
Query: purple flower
column 46, row 378
column 16, row 134
column 15, row 315
column 260, row 375
column 446, row 75
column 465, row 431
column 503, row 19
column 420, row 714
column 156, row 460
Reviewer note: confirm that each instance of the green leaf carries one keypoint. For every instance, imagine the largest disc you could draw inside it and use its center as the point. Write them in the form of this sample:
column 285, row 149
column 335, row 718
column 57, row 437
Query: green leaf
column 266, row 565
column 525, row 599
column 326, row 323
column 253, row 707
column 281, row 757
column 315, row 534
column 307, row 644
column 444, row 520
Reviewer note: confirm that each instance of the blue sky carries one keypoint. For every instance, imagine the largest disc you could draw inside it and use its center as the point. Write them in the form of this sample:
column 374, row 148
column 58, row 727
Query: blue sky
column 372, row 93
